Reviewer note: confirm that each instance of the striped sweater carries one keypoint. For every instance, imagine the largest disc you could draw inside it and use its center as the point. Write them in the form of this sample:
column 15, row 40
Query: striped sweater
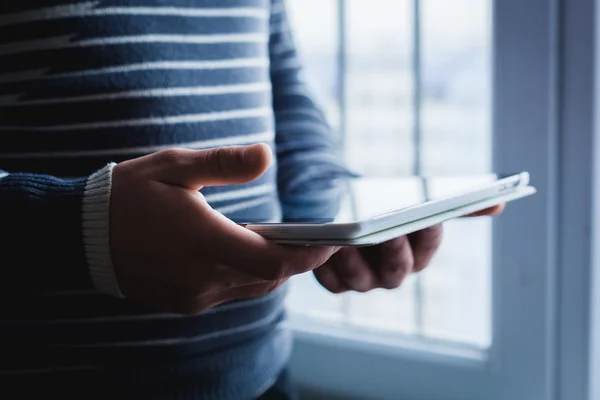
column 86, row 83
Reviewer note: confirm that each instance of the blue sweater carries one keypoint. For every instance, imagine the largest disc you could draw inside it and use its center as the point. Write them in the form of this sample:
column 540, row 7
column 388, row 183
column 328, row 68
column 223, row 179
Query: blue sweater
column 86, row 83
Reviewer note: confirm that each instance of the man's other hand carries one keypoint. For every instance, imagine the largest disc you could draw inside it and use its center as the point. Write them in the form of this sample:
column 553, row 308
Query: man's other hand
column 385, row 265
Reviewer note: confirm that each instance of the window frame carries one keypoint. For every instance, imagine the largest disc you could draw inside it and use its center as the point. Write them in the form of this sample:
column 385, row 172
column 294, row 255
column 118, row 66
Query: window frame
column 546, row 291
column 578, row 316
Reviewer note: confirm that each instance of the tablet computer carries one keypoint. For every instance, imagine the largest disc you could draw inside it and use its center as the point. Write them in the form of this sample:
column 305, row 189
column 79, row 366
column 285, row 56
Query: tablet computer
column 387, row 206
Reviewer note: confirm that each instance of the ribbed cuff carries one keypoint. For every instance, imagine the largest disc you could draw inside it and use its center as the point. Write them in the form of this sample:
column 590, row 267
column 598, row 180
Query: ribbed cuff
column 96, row 231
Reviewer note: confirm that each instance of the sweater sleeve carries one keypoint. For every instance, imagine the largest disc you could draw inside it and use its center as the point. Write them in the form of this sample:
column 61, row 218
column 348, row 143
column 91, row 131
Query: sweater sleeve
column 55, row 233
column 310, row 162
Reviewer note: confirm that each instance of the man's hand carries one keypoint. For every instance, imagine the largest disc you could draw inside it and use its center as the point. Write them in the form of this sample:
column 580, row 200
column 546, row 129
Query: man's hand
column 385, row 265
column 171, row 250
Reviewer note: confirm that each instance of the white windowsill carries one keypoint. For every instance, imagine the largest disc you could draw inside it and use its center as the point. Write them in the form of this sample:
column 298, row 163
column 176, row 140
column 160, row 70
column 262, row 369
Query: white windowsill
column 394, row 345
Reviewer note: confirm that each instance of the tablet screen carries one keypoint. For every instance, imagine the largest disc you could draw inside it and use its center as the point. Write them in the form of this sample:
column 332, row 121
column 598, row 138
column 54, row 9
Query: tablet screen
column 361, row 199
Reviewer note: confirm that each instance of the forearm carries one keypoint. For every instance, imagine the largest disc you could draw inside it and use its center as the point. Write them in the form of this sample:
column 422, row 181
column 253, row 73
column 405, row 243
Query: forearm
column 310, row 161
column 309, row 171
column 54, row 231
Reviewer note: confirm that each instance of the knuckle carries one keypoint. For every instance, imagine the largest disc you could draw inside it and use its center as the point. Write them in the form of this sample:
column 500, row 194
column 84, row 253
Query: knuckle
column 394, row 273
column 237, row 157
column 220, row 164
column 400, row 267
column 225, row 161
column 394, row 282
column 327, row 277
column 350, row 273
column 171, row 156
column 362, row 284
column 434, row 236
column 405, row 260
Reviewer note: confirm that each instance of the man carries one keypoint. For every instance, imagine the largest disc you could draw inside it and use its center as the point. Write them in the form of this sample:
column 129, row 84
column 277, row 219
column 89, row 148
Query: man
column 122, row 280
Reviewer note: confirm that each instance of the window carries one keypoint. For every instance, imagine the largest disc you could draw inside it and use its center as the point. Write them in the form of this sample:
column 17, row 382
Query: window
column 457, row 87
column 408, row 87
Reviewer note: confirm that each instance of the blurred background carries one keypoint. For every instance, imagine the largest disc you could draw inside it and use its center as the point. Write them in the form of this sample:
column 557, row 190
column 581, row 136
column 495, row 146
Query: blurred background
column 407, row 86
column 424, row 87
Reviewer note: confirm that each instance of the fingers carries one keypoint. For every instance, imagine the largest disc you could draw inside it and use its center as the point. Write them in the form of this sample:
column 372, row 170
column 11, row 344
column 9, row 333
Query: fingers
column 287, row 261
column 383, row 266
column 353, row 270
column 492, row 211
column 193, row 169
column 424, row 245
column 328, row 278
column 251, row 253
column 397, row 262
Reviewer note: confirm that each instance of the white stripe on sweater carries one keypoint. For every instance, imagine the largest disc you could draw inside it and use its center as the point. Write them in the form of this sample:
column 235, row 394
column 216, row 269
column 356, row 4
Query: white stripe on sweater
column 9, row 99
column 269, row 319
column 289, row 63
column 74, row 292
column 199, row 144
column 240, row 193
column 66, row 42
column 304, row 111
column 32, row 75
column 191, row 12
column 278, row 8
column 166, row 120
column 307, row 125
column 155, row 92
column 88, row 9
column 46, row 370
column 158, row 316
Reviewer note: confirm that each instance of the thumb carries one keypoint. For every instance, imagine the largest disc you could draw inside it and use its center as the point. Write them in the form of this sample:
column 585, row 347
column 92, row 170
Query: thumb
column 193, row 169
